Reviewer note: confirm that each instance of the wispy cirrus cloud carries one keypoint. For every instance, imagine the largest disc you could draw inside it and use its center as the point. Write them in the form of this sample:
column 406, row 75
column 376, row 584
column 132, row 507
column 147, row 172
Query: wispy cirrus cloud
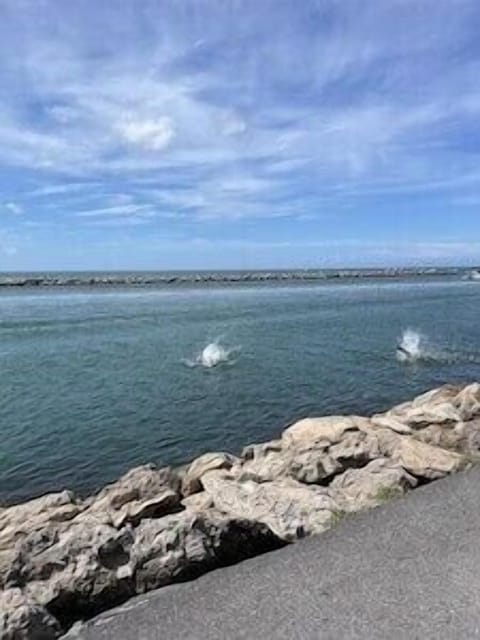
column 67, row 188
column 118, row 210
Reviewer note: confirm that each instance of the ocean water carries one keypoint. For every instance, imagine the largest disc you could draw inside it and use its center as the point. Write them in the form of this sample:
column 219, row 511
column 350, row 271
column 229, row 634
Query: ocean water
column 96, row 381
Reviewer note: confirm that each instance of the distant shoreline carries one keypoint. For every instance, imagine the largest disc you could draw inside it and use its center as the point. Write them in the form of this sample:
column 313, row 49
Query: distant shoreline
column 166, row 278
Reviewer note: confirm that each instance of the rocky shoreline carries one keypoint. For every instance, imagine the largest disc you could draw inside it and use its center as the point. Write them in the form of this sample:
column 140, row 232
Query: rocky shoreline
column 233, row 277
column 64, row 559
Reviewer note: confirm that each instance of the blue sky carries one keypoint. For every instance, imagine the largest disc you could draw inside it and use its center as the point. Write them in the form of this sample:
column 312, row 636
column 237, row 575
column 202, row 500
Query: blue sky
column 238, row 134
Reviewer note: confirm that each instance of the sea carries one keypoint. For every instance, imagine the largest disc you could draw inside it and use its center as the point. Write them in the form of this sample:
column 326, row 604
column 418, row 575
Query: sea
column 96, row 380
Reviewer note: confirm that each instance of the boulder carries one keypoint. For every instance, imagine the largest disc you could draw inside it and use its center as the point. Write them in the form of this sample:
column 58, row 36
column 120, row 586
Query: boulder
column 451, row 437
column 191, row 482
column 315, row 462
column 313, row 466
column 448, row 417
column 356, row 448
column 288, row 508
column 357, row 489
column 328, row 430
column 318, row 465
column 21, row 618
column 143, row 492
column 185, row 545
column 76, row 571
column 442, row 413
column 445, row 393
column 18, row 520
column 468, row 401
column 447, row 405
column 165, row 548
column 419, row 458
column 265, row 462
column 462, row 437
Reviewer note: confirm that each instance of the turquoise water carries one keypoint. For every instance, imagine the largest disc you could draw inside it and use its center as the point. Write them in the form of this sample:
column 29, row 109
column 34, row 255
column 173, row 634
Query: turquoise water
column 93, row 382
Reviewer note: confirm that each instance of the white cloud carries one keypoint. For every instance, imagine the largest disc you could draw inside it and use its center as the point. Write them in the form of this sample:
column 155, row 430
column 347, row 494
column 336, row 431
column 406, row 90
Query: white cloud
column 13, row 207
column 120, row 210
column 152, row 135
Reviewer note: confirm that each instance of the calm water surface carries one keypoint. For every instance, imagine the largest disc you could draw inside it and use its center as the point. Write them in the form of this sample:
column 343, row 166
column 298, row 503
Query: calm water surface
column 93, row 382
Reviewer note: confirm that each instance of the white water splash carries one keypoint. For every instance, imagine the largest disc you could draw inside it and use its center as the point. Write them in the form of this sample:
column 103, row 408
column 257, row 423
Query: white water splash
column 411, row 347
column 416, row 347
column 213, row 355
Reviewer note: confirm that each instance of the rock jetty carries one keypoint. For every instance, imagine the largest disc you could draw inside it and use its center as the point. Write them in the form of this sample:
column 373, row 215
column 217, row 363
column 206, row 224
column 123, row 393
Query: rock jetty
column 144, row 279
column 64, row 559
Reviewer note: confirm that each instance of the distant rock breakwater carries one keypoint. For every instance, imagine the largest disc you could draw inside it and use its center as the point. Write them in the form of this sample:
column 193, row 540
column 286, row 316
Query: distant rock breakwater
column 190, row 278
column 63, row 559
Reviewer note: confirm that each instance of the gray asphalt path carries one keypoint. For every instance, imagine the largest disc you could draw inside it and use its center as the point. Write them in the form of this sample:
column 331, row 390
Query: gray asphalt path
column 410, row 569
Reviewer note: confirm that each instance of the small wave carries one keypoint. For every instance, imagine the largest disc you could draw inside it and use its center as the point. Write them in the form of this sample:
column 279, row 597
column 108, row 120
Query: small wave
column 212, row 355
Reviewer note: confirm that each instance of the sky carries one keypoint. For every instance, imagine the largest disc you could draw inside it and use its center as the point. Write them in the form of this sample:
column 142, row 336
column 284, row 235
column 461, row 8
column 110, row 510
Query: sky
column 201, row 134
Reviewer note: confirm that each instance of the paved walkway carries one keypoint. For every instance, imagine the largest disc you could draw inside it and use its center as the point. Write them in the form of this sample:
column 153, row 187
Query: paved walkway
column 410, row 569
